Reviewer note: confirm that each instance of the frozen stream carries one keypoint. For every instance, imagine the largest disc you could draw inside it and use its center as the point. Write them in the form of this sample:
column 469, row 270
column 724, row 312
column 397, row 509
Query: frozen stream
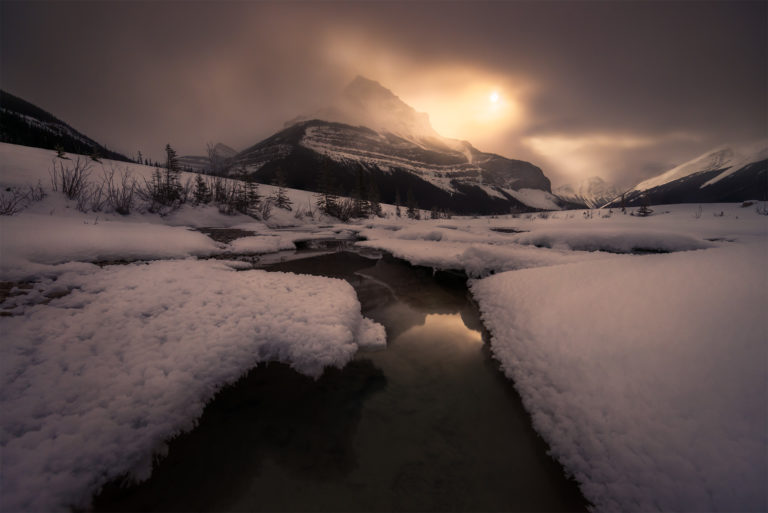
column 429, row 424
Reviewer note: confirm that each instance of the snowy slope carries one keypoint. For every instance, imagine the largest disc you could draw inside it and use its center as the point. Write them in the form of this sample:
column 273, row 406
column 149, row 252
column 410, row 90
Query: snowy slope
column 593, row 192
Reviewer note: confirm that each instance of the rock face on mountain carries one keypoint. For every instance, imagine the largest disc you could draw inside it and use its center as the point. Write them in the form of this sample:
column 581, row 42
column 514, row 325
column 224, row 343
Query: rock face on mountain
column 593, row 192
column 726, row 174
column 370, row 132
column 28, row 125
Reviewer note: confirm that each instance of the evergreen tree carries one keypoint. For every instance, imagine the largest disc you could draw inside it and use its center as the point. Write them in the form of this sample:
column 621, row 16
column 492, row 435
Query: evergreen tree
column 202, row 193
column 413, row 207
column 60, row 153
column 252, row 197
column 360, row 204
column 327, row 201
column 172, row 180
column 280, row 197
column 374, row 205
column 397, row 203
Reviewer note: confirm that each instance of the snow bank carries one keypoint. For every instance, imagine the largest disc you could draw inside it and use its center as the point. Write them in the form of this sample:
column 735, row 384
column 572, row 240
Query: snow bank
column 646, row 374
column 125, row 357
column 31, row 242
column 476, row 259
column 613, row 240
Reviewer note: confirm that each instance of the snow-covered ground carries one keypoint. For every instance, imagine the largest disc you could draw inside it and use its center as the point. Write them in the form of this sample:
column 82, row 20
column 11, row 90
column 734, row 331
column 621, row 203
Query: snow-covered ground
column 100, row 366
column 645, row 371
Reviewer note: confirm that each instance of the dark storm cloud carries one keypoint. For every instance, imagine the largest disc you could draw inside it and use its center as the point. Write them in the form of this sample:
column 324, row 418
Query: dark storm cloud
column 613, row 89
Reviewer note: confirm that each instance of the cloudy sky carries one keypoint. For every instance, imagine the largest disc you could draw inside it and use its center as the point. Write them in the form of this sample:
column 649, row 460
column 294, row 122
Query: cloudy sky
column 621, row 90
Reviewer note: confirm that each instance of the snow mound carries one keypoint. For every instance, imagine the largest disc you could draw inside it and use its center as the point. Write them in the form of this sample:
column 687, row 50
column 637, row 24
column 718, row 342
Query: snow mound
column 645, row 374
column 612, row 240
column 32, row 243
column 94, row 382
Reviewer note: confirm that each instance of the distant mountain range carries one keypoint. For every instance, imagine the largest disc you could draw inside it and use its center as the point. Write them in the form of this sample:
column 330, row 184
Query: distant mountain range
column 370, row 135
column 593, row 192
column 28, row 125
column 726, row 174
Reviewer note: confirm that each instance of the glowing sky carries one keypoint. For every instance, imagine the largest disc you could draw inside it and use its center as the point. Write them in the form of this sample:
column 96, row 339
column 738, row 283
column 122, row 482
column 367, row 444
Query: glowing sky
column 621, row 90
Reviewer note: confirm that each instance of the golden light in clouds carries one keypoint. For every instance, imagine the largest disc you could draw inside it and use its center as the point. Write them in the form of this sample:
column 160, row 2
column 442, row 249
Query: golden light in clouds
column 463, row 101
column 467, row 103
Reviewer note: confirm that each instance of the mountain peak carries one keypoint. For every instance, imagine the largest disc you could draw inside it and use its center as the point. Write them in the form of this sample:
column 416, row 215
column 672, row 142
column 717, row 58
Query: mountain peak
column 362, row 86
column 365, row 102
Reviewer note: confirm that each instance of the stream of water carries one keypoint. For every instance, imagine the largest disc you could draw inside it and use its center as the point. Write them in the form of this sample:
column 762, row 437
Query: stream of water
column 428, row 424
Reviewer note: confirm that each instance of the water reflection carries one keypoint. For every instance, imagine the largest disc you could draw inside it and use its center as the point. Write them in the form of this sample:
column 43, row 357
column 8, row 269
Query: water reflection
column 273, row 416
column 450, row 328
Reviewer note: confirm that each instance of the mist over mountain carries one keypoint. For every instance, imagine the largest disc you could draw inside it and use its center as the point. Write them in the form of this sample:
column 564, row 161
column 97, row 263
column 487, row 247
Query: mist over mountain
column 593, row 192
column 369, row 131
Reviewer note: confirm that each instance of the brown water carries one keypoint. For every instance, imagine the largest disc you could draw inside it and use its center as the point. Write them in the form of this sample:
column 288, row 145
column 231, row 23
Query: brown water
column 429, row 424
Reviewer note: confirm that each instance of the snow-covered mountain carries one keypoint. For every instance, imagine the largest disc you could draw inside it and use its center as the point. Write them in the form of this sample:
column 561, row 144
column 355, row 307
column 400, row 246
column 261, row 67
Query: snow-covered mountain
column 593, row 192
column 726, row 174
column 26, row 124
column 369, row 132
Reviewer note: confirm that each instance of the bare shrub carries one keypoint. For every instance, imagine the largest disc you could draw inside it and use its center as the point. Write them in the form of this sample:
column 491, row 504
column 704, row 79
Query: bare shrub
column 345, row 209
column 119, row 190
column 185, row 193
column 12, row 201
column 89, row 198
column 71, row 179
column 265, row 209
column 36, row 193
